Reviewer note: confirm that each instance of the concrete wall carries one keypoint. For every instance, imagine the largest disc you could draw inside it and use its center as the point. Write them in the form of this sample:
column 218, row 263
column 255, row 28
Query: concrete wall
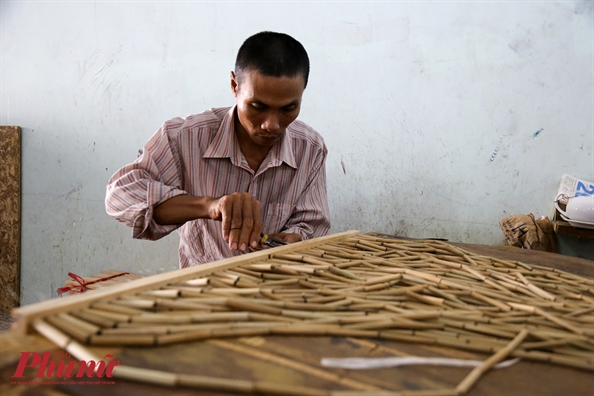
column 441, row 118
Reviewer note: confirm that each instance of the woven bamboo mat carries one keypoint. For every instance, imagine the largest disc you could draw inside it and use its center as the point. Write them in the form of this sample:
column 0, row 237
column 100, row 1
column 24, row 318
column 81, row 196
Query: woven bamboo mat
column 348, row 285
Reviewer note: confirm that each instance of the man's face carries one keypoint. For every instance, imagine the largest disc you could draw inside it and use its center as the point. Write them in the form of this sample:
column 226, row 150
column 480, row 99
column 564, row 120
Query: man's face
column 266, row 106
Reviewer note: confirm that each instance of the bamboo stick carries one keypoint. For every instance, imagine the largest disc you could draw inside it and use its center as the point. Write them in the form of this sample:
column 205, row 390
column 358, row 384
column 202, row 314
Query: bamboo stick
column 491, row 301
column 140, row 304
column 338, row 278
column 122, row 339
column 182, row 305
column 114, row 306
column 51, row 333
column 163, row 293
column 555, row 358
column 537, row 290
column 279, row 283
column 254, row 307
column 94, row 319
column 72, row 326
column 344, row 273
column 395, row 324
column 193, row 282
column 468, row 382
column 161, row 318
column 426, row 299
column 552, row 318
column 131, row 330
column 581, row 312
column 116, row 317
column 479, row 328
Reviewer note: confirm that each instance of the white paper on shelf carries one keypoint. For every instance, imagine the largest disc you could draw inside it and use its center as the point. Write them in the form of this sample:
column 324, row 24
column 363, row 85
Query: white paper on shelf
column 574, row 187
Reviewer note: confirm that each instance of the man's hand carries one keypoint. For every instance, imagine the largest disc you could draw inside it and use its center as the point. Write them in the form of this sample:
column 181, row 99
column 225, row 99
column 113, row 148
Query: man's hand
column 286, row 237
column 241, row 218
column 283, row 236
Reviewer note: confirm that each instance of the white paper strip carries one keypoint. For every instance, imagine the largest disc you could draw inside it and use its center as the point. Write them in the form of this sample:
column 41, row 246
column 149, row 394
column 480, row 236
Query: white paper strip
column 371, row 363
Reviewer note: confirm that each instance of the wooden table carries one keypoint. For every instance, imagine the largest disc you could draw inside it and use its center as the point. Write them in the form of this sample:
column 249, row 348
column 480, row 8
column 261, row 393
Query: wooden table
column 296, row 360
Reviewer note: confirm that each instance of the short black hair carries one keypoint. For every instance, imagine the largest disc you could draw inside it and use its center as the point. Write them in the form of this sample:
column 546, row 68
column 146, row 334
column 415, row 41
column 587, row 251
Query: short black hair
column 272, row 54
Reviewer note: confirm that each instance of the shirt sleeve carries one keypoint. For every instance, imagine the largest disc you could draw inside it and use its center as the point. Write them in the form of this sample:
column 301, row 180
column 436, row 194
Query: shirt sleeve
column 134, row 190
column 311, row 216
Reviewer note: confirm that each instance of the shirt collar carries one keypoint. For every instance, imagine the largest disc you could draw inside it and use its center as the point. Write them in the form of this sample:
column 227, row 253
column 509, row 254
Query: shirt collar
column 225, row 145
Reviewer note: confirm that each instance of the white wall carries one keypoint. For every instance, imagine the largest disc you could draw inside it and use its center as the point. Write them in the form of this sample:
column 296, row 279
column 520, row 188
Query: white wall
column 441, row 118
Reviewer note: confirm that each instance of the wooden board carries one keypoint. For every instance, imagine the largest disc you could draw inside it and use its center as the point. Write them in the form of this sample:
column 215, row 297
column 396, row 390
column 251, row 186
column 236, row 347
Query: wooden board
column 294, row 359
column 10, row 217
column 266, row 356
column 562, row 227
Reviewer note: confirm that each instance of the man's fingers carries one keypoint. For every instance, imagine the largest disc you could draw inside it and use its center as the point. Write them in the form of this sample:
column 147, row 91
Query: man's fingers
column 257, row 226
column 240, row 215
column 247, row 222
column 236, row 220
column 225, row 209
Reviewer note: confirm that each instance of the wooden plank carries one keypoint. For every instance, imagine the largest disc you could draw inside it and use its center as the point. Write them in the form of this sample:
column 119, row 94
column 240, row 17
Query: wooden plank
column 10, row 216
column 25, row 315
column 562, row 227
column 208, row 358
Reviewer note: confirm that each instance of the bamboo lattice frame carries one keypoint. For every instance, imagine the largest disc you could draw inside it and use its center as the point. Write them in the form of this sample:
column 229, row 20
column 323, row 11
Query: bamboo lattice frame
column 348, row 284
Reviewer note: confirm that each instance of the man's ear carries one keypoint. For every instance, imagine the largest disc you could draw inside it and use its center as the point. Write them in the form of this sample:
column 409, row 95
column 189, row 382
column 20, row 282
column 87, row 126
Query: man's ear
column 234, row 84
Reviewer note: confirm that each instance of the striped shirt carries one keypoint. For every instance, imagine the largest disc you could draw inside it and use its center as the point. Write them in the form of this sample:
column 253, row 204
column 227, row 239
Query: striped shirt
column 199, row 155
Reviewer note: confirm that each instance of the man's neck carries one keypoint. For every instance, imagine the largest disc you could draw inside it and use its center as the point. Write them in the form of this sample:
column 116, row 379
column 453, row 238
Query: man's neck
column 253, row 153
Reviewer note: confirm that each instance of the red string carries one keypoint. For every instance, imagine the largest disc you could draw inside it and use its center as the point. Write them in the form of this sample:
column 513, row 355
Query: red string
column 82, row 284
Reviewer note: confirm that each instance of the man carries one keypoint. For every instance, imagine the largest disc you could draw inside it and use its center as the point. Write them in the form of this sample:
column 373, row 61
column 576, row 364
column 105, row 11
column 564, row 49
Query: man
column 223, row 176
